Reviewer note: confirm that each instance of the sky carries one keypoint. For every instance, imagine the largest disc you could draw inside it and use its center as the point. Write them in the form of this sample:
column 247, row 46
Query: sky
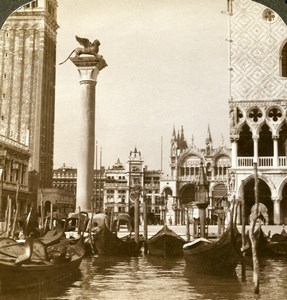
column 167, row 67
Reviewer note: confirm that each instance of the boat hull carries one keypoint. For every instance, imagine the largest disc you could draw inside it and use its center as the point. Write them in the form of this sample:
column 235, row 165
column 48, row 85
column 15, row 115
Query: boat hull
column 32, row 274
column 277, row 248
column 165, row 243
column 277, row 245
column 18, row 277
column 217, row 258
column 107, row 243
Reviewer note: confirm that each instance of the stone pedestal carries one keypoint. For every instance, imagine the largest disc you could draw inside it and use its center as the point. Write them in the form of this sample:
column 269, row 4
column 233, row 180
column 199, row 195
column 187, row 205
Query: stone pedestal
column 89, row 68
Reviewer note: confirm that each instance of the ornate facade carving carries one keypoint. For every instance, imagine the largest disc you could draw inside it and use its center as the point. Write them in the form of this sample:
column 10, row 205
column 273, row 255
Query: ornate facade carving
column 257, row 113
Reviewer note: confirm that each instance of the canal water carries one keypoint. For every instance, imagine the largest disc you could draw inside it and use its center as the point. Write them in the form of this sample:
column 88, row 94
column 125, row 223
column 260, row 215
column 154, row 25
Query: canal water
column 148, row 278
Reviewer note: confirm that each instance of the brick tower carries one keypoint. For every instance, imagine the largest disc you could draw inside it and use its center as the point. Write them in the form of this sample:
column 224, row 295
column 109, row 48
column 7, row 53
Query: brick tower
column 27, row 83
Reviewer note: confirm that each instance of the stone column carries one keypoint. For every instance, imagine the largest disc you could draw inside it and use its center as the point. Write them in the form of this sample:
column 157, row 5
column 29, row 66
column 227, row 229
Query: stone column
column 276, row 211
column 275, row 152
column 89, row 68
column 212, row 173
column 234, row 153
column 255, row 149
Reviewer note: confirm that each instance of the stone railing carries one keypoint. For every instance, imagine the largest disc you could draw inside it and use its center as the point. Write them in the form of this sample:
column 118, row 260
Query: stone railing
column 266, row 162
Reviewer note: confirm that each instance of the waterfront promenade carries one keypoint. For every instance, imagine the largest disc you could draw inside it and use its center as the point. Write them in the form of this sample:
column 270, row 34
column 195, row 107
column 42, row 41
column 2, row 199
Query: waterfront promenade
column 212, row 230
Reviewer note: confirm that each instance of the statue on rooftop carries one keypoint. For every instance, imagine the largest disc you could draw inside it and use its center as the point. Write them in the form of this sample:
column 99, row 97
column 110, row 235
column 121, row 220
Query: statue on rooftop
column 91, row 48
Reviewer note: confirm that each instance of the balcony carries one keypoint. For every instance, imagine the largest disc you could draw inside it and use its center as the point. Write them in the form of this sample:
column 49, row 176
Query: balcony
column 195, row 178
column 12, row 186
column 266, row 162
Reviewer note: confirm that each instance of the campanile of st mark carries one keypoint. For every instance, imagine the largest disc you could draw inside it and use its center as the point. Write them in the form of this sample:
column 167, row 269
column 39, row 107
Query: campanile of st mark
column 27, row 83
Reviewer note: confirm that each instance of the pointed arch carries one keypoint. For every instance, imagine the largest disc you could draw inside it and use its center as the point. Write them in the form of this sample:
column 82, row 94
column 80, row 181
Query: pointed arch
column 283, row 60
column 282, row 140
column 245, row 141
column 265, row 143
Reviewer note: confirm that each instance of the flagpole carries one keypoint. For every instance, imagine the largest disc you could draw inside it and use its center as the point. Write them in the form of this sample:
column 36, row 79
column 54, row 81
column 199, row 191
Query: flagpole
column 161, row 151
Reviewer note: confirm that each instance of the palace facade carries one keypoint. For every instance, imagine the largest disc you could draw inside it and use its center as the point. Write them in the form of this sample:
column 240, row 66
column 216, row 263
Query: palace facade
column 257, row 44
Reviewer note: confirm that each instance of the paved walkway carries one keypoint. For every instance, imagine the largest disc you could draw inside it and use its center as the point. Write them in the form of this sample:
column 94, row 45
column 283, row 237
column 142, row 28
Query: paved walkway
column 212, row 230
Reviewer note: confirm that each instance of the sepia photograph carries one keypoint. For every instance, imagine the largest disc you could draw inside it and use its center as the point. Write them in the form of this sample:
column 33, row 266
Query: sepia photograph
column 143, row 149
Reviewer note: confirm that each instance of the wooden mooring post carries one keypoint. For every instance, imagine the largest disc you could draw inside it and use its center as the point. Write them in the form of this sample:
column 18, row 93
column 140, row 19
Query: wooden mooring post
column 145, row 223
column 242, row 200
column 251, row 233
column 187, row 226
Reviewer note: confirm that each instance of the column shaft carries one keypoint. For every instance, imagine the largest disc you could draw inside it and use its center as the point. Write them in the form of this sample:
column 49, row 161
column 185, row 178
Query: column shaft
column 234, row 154
column 88, row 68
column 85, row 170
column 276, row 208
column 275, row 153
column 255, row 148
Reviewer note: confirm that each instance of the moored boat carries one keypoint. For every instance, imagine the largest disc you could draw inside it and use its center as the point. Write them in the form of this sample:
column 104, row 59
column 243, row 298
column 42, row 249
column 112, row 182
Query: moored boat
column 32, row 264
column 108, row 243
column 262, row 244
column 218, row 258
column 277, row 244
column 166, row 243
column 79, row 225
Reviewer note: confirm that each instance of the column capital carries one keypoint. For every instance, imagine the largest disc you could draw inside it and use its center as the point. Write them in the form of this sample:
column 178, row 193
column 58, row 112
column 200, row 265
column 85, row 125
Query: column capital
column 276, row 199
column 255, row 137
column 89, row 67
column 234, row 138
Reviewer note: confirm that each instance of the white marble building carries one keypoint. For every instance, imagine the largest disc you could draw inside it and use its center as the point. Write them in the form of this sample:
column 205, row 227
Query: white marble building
column 257, row 37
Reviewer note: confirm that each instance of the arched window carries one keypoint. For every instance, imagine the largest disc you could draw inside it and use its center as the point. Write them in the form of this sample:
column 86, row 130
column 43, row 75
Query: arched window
column 284, row 61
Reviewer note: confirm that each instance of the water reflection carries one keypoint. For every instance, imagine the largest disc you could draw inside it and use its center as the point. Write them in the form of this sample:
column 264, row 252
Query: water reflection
column 44, row 291
column 273, row 278
column 214, row 287
column 148, row 277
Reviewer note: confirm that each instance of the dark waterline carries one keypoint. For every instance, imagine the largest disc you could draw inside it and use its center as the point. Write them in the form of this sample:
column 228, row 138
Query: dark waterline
column 149, row 277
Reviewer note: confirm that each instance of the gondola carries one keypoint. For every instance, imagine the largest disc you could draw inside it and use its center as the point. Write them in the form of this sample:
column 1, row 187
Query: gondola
column 122, row 219
column 53, row 236
column 277, row 245
column 262, row 244
column 78, row 225
column 214, row 258
column 108, row 243
column 165, row 243
column 32, row 264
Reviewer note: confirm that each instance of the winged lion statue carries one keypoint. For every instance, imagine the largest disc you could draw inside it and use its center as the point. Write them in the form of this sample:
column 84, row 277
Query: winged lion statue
column 91, row 48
